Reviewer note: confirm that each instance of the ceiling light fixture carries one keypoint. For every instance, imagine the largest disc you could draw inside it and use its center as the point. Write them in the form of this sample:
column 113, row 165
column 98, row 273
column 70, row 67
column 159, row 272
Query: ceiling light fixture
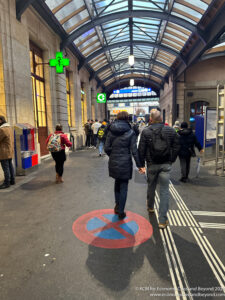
column 131, row 60
column 131, row 82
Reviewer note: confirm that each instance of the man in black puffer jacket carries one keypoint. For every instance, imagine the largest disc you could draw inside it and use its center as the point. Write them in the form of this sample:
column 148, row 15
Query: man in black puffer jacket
column 120, row 145
column 188, row 141
column 159, row 146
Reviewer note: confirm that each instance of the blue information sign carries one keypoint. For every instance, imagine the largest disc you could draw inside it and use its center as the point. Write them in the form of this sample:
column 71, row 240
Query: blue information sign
column 131, row 91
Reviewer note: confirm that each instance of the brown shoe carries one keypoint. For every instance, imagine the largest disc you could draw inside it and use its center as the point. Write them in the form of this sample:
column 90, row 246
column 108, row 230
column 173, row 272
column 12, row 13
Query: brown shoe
column 57, row 178
column 163, row 225
column 150, row 210
column 61, row 179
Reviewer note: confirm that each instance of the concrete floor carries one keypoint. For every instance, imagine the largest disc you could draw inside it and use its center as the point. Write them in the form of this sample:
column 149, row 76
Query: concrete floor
column 42, row 259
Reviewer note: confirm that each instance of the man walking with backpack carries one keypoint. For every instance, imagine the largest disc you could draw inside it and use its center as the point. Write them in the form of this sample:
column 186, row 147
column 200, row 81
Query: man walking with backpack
column 95, row 127
column 101, row 137
column 159, row 146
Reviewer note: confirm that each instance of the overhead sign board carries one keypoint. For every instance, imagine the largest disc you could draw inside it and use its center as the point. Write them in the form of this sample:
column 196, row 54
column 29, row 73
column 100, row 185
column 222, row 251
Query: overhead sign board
column 152, row 102
column 101, row 98
column 131, row 91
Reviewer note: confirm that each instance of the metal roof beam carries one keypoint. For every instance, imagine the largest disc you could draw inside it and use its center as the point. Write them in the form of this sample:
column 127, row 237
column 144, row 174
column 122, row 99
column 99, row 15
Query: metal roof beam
column 105, row 8
column 122, row 61
column 130, row 8
column 214, row 31
column 21, row 6
column 131, row 14
column 127, row 43
column 130, row 72
column 44, row 11
column 139, row 81
column 103, row 32
column 212, row 55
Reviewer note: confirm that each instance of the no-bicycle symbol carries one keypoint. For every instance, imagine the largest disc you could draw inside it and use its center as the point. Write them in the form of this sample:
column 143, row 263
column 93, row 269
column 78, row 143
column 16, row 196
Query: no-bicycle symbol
column 102, row 228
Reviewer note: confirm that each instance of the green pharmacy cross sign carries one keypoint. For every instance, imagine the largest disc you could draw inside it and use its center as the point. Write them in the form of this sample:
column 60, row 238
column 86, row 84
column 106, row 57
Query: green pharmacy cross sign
column 101, row 98
column 59, row 62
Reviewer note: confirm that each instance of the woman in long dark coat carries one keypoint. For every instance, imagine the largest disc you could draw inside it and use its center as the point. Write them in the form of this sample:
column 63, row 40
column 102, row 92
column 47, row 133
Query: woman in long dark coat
column 120, row 145
column 188, row 142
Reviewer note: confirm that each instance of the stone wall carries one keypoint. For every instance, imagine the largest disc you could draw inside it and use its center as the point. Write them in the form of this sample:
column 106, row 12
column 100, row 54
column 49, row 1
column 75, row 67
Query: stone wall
column 166, row 101
column 15, row 83
column 16, row 101
column 198, row 83
column 208, row 71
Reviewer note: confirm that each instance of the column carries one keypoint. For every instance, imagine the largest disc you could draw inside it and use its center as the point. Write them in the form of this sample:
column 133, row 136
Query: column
column 62, row 113
column 88, row 97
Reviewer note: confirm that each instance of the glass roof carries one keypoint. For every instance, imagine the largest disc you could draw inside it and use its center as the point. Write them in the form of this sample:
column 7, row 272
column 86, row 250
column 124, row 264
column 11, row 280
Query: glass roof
column 129, row 27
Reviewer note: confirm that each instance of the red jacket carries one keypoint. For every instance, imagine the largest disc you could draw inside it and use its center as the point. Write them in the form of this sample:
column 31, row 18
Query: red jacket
column 64, row 140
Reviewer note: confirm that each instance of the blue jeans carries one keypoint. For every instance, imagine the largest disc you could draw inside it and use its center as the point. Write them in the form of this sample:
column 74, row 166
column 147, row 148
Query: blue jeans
column 159, row 174
column 100, row 147
column 8, row 170
column 120, row 189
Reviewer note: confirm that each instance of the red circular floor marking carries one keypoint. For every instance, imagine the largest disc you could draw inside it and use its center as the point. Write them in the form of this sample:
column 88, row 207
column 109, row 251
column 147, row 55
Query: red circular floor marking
column 143, row 233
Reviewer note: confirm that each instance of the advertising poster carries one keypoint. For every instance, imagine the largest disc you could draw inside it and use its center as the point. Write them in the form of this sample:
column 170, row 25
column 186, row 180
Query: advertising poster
column 211, row 125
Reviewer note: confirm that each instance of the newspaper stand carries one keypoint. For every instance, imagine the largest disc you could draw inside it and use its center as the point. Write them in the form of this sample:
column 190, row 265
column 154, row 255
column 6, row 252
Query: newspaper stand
column 26, row 155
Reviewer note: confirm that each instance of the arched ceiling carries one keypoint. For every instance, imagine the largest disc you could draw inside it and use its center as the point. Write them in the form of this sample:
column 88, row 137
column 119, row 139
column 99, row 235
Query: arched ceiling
column 157, row 32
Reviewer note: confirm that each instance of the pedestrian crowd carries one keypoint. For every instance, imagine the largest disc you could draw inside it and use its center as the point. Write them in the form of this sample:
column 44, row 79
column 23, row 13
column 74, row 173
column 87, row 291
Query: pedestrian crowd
column 158, row 148
column 154, row 147
column 96, row 133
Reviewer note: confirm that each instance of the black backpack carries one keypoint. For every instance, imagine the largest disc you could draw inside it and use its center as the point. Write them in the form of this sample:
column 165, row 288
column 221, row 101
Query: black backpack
column 101, row 133
column 159, row 146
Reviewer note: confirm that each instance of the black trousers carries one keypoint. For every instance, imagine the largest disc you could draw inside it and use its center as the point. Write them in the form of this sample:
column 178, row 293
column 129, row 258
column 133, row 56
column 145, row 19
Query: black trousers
column 59, row 158
column 92, row 140
column 88, row 140
column 185, row 163
column 120, row 190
